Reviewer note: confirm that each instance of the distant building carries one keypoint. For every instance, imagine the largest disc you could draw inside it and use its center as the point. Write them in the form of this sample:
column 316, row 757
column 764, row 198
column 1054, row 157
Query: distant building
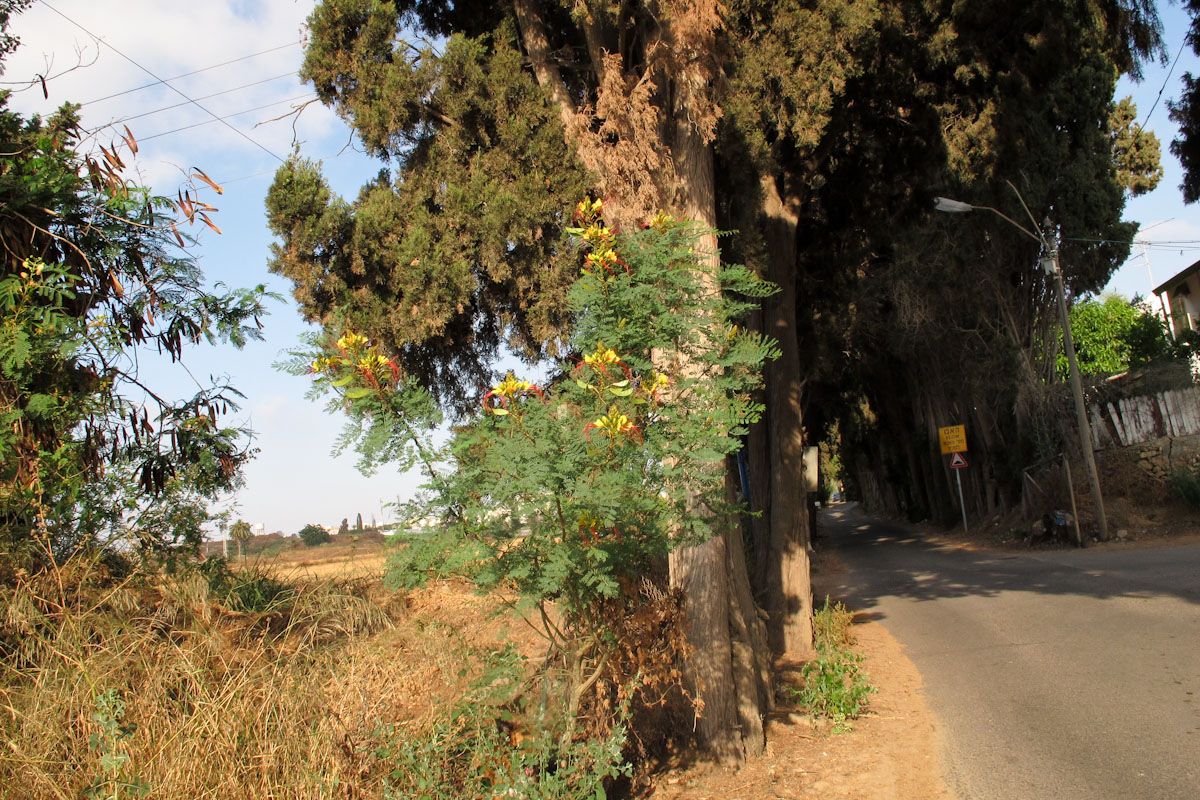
column 1180, row 300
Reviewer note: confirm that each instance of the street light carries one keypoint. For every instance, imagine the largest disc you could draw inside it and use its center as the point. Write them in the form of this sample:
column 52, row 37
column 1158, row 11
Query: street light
column 1049, row 263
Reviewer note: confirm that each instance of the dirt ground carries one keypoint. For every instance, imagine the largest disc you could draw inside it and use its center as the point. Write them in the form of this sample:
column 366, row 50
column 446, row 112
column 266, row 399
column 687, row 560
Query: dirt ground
column 891, row 753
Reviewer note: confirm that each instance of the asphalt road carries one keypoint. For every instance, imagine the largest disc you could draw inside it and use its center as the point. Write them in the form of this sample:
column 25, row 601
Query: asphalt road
column 1063, row 674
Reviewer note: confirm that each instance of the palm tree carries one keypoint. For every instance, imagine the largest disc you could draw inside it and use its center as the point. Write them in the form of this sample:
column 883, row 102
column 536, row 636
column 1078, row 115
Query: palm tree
column 240, row 532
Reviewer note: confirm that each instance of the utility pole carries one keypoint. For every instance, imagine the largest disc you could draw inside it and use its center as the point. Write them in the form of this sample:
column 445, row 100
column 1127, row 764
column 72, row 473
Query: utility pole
column 1051, row 267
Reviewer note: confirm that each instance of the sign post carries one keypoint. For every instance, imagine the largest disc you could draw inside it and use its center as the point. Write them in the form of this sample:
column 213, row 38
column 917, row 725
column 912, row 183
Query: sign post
column 953, row 440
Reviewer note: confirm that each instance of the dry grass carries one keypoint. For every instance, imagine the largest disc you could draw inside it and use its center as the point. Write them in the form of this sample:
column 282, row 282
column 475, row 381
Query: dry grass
column 290, row 703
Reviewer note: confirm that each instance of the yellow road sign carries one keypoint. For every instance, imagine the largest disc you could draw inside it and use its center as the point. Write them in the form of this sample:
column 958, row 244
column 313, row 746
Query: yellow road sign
column 953, row 439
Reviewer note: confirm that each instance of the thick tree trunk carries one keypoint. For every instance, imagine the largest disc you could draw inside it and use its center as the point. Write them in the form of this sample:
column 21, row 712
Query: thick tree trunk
column 722, row 621
column 748, row 635
column 789, row 588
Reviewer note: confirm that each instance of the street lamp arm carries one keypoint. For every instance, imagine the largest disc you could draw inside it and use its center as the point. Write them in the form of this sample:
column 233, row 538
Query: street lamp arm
column 959, row 207
column 1014, row 223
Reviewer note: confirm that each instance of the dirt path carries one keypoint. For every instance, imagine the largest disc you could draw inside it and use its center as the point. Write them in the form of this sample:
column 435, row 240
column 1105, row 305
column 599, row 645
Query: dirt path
column 891, row 754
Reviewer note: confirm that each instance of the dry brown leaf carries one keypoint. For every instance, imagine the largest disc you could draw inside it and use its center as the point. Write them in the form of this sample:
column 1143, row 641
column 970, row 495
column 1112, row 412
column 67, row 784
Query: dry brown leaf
column 199, row 173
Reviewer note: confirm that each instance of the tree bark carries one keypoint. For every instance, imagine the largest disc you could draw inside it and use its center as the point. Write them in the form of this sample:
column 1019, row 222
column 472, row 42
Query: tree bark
column 748, row 635
column 722, row 622
column 789, row 587
column 758, row 458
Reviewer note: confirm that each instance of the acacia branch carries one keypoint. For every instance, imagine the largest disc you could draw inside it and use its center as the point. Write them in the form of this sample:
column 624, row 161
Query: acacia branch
column 53, row 235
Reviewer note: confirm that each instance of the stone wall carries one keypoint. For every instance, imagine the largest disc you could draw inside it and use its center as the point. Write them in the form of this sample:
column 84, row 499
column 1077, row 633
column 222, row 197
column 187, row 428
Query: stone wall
column 1158, row 458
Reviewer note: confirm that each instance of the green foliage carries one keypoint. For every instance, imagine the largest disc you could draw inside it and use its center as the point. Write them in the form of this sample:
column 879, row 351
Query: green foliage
column 93, row 268
column 313, row 535
column 1113, row 335
column 1185, row 112
column 477, row 750
column 835, row 686
column 1185, row 484
column 8, row 42
column 433, row 555
column 458, row 248
column 569, row 494
column 249, row 589
column 572, row 494
column 240, row 533
column 951, row 311
column 1136, row 152
column 113, row 731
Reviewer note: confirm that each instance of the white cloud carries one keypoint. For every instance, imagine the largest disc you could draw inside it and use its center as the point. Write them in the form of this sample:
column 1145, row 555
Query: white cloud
column 168, row 42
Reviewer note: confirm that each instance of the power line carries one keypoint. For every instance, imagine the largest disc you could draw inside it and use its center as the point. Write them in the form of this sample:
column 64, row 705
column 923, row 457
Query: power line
column 272, row 172
column 1163, row 88
column 177, row 105
column 242, row 134
column 193, row 72
column 1167, row 243
column 226, row 117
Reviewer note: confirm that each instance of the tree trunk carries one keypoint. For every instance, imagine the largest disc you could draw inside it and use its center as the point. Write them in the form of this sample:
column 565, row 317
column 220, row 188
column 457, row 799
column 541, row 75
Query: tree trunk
column 712, row 575
column 751, row 655
column 789, row 587
column 758, row 457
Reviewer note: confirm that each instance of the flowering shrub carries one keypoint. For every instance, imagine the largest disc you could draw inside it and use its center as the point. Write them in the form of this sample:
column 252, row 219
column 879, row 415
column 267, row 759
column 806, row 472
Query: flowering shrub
column 571, row 494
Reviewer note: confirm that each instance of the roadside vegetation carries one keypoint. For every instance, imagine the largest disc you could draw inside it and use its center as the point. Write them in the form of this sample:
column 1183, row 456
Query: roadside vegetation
column 218, row 682
column 835, row 687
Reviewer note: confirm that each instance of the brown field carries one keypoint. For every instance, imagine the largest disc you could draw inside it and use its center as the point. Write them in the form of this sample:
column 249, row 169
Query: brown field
column 307, row 699
column 355, row 560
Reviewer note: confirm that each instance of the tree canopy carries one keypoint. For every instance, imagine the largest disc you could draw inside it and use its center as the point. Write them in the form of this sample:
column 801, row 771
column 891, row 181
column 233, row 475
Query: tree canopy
column 1185, row 111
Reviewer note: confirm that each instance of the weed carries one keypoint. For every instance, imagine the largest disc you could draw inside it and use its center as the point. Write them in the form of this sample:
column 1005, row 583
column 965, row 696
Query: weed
column 831, row 626
column 250, row 589
column 1185, row 483
column 484, row 748
column 835, row 685
column 109, row 744
column 836, row 688
column 227, row 703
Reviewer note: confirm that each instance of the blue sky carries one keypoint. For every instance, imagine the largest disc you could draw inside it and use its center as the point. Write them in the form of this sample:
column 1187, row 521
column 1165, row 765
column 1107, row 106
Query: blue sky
column 295, row 480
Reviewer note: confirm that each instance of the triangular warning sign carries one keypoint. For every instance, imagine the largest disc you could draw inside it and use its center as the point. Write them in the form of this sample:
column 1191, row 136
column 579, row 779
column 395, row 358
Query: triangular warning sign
column 957, row 461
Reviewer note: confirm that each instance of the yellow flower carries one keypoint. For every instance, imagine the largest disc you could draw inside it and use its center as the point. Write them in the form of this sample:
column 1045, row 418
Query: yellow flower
column 602, row 258
column 588, row 207
column 660, row 220
column 510, row 386
column 325, row 364
column 597, row 232
column 655, row 383
column 613, row 424
column 603, row 355
column 351, row 341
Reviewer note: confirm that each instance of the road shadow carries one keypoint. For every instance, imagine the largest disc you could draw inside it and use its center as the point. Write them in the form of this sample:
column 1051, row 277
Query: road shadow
column 889, row 559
